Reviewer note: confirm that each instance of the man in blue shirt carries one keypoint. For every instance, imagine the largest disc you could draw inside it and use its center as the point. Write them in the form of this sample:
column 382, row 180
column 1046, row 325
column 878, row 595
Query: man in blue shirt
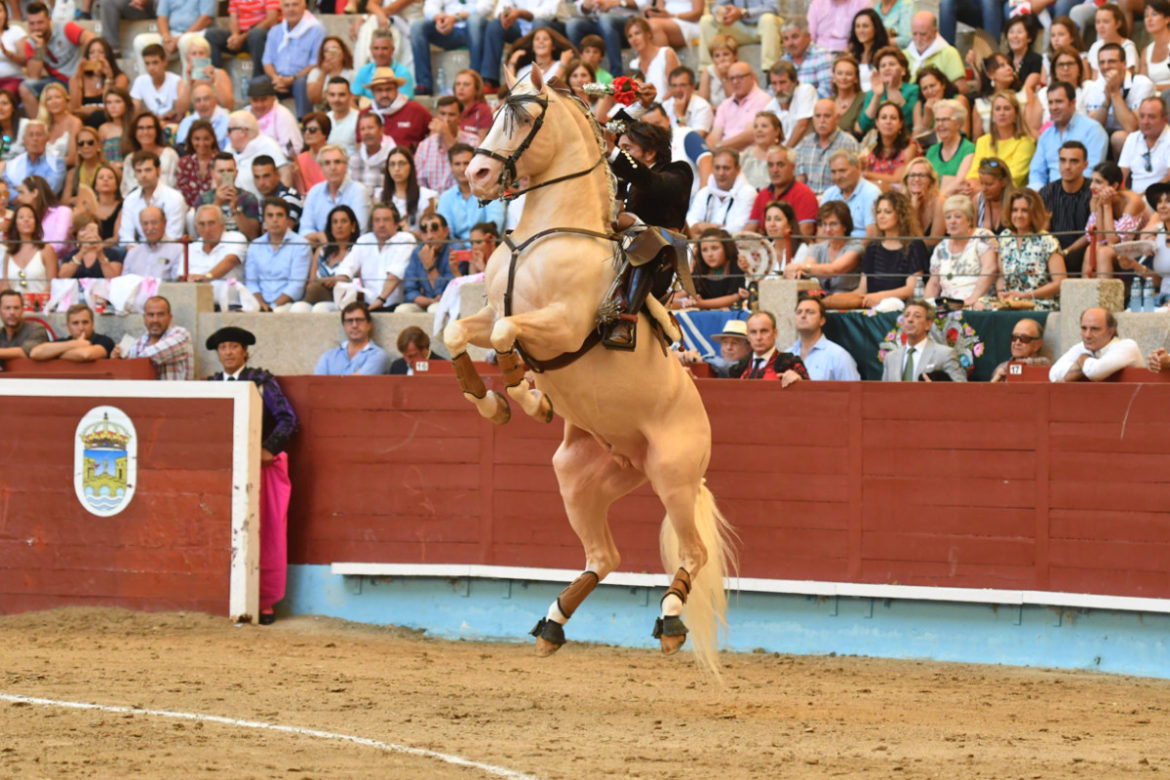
column 458, row 206
column 357, row 354
column 337, row 190
column 208, row 109
column 857, row 193
column 1067, row 125
column 382, row 56
column 291, row 52
column 277, row 266
column 824, row 360
column 35, row 161
column 429, row 270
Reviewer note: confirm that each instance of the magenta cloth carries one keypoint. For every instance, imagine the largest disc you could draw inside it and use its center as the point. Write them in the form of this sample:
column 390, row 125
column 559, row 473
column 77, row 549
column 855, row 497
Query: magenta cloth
column 275, row 491
column 58, row 227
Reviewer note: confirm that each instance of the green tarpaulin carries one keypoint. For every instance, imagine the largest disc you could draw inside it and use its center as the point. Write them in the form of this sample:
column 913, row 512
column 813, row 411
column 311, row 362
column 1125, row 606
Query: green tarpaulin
column 982, row 338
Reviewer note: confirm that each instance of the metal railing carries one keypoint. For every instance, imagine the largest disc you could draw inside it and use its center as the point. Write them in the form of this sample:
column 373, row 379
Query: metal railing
column 1091, row 249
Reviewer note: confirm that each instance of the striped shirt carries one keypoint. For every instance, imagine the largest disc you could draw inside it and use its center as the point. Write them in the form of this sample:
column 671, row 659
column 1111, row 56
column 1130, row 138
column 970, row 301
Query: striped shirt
column 172, row 355
column 816, row 68
column 434, row 168
column 812, row 162
column 251, row 12
column 370, row 169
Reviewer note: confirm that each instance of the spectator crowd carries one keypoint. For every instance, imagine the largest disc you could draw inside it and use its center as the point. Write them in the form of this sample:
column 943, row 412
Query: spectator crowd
column 861, row 150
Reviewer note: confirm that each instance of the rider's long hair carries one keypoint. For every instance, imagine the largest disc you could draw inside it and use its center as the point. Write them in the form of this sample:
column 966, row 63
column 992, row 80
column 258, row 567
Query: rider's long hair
column 651, row 138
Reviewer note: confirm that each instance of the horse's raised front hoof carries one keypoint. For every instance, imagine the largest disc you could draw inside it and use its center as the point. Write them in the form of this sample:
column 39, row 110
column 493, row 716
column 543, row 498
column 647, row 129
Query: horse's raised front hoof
column 544, row 412
column 550, row 635
column 503, row 411
column 671, row 632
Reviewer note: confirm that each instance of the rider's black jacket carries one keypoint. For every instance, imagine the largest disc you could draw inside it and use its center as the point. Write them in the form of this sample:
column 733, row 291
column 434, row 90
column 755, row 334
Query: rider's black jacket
column 660, row 195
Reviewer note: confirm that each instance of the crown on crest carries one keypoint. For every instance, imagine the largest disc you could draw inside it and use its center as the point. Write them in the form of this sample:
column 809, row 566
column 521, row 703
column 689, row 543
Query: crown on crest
column 105, row 435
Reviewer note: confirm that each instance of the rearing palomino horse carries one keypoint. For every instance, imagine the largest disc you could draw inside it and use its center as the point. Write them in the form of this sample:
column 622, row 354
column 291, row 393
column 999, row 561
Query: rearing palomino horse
column 630, row 416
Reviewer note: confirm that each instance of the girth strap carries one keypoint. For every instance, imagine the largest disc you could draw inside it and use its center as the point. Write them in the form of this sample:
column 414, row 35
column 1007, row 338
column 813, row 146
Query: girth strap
column 565, row 358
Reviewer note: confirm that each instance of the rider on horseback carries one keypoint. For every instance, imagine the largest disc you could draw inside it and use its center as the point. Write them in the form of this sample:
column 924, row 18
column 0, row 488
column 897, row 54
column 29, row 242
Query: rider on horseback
column 656, row 190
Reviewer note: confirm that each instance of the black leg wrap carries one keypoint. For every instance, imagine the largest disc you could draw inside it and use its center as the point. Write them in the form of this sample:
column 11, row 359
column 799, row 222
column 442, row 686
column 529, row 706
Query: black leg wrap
column 552, row 631
column 669, row 626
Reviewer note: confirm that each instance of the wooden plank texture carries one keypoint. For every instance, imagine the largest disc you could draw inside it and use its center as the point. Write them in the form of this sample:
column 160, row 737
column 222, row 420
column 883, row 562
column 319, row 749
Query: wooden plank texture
column 170, row 548
column 976, row 485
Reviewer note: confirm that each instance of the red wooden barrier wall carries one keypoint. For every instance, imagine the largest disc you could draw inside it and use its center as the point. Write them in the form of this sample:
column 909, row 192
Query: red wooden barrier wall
column 1028, row 486
column 23, row 368
column 170, row 548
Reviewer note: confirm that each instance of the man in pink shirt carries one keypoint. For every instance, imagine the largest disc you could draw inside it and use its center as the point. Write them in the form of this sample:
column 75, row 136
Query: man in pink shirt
column 735, row 115
column 831, row 21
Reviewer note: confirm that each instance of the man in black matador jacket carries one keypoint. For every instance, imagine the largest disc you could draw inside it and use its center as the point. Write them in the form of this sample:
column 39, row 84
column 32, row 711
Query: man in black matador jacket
column 658, row 191
column 279, row 423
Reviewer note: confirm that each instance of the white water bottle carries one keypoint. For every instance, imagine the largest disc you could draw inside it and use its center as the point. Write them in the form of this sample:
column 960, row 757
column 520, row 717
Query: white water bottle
column 1148, row 294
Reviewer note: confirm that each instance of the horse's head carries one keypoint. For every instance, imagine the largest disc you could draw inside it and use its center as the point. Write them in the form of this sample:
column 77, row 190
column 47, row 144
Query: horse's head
column 512, row 147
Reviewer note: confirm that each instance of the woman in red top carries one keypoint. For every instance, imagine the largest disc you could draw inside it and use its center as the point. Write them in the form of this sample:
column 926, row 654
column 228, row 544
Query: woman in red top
column 316, row 128
column 477, row 114
column 886, row 162
column 193, row 172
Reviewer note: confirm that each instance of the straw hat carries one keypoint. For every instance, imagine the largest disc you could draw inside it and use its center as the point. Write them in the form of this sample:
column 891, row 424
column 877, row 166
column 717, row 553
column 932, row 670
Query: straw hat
column 732, row 329
column 385, row 75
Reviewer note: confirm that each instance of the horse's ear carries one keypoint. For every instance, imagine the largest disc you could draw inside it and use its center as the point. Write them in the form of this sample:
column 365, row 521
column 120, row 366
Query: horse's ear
column 536, row 77
column 509, row 77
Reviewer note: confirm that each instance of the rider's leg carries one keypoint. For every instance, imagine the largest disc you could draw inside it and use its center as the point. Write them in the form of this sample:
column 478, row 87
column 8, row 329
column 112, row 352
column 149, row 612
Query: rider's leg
column 621, row 333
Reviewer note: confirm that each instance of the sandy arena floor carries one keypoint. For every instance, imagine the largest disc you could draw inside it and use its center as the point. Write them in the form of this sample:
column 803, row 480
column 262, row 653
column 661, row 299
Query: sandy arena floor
column 589, row 711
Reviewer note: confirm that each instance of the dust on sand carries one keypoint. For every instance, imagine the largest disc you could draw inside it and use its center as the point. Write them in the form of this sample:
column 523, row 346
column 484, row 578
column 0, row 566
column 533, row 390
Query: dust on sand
column 588, row 711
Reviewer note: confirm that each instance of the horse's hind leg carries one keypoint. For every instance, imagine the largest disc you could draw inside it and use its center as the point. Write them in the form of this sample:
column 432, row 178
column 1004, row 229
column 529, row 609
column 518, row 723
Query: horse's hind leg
column 475, row 329
column 591, row 479
column 675, row 471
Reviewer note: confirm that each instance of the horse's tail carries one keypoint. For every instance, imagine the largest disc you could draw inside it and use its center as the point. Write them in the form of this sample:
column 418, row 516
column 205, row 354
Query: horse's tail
column 706, row 608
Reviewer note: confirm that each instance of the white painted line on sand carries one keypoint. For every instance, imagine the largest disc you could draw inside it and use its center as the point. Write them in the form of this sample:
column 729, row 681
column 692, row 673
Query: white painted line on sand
column 389, row 747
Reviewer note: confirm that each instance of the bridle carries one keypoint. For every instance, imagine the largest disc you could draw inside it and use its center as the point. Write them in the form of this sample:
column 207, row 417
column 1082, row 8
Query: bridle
column 511, row 112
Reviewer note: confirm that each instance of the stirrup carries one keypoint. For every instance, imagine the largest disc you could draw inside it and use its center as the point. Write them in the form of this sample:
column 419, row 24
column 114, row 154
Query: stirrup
column 550, row 631
column 626, row 323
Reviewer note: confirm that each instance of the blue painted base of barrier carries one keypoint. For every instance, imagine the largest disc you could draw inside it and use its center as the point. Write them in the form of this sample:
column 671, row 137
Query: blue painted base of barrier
column 505, row 610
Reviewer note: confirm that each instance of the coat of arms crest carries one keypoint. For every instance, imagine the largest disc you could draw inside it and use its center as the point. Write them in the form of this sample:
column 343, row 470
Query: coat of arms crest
column 105, row 462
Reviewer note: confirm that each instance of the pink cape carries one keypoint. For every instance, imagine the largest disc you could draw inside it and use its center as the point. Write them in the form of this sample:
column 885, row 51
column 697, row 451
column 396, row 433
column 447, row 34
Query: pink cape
column 275, row 491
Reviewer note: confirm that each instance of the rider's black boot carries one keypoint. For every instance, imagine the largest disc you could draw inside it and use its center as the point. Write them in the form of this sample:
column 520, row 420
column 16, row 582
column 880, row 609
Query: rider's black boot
column 622, row 333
